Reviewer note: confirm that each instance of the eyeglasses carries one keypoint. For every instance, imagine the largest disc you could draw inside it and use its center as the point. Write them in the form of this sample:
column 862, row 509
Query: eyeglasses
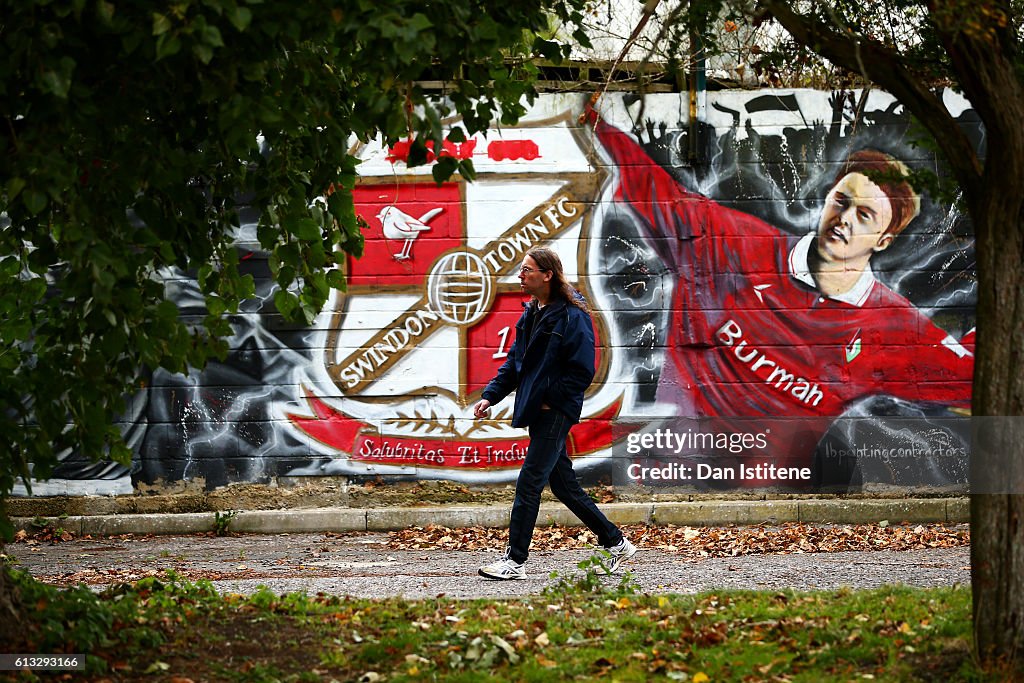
column 526, row 270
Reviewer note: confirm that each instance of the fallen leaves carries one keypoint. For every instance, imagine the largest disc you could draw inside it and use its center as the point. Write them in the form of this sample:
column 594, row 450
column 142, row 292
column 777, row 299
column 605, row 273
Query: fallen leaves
column 546, row 662
column 730, row 541
column 107, row 576
column 44, row 533
column 435, row 537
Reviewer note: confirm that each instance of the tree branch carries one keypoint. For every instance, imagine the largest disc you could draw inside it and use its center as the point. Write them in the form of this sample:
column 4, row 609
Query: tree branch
column 650, row 6
column 884, row 67
column 982, row 52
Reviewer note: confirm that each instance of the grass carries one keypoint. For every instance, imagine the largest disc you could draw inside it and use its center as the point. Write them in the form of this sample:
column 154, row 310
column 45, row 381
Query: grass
column 579, row 629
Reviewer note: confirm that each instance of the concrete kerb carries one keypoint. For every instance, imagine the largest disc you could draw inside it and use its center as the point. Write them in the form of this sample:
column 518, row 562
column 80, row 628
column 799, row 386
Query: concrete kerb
column 687, row 513
column 873, row 511
column 389, row 519
column 726, row 512
column 309, row 521
column 958, row 510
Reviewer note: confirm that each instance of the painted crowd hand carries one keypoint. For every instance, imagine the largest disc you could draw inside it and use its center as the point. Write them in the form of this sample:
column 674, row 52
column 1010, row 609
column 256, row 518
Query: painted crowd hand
column 589, row 113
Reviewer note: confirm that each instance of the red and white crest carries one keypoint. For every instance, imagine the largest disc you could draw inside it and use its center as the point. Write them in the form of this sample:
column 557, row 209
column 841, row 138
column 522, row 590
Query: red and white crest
column 430, row 309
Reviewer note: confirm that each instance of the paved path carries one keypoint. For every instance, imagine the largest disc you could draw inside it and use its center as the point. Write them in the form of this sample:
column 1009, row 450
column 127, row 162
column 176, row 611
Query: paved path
column 362, row 565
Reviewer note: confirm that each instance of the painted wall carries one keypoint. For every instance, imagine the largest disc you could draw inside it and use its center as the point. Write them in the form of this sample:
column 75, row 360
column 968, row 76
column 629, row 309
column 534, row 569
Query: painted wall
column 716, row 349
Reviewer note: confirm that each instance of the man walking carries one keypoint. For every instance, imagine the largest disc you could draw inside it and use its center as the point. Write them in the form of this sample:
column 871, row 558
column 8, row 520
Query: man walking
column 550, row 365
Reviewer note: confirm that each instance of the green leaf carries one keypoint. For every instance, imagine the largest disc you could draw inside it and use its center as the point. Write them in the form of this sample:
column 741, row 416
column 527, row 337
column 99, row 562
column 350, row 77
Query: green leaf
column 286, row 275
column 419, row 22
column 266, row 233
column 443, row 169
column 203, row 52
column 240, row 18
column 161, row 24
column 34, row 200
column 167, row 311
column 337, row 280
column 211, row 36
column 58, row 81
column 120, row 453
column 203, row 274
column 216, row 305
column 548, row 49
column 14, row 187
column 35, row 289
column 318, row 282
column 247, row 287
column 305, row 229
column 105, row 11
column 167, row 45
column 285, row 302
column 9, row 266
column 467, row 170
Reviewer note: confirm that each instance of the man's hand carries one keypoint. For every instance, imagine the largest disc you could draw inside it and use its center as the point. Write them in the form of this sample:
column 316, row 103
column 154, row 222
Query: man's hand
column 481, row 409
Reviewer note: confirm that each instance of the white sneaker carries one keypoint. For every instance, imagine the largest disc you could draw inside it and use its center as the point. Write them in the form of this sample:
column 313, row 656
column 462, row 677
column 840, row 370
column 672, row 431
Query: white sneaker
column 619, row 554
column 503, row 570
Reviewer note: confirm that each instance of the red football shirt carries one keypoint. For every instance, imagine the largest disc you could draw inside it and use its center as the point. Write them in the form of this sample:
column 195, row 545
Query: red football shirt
column 750, row 333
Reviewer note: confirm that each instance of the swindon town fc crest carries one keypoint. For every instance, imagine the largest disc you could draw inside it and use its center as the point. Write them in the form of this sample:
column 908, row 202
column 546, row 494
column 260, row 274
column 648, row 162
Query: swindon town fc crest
column 430, row 309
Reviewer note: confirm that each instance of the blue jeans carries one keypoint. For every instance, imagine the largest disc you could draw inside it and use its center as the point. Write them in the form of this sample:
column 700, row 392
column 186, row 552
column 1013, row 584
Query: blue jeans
column 548, row 463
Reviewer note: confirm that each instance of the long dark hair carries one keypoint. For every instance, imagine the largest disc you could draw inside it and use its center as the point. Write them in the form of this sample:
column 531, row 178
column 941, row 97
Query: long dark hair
column 547, row 260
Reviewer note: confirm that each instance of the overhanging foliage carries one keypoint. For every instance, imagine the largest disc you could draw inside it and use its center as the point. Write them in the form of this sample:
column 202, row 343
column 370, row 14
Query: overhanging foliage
column 133, row 134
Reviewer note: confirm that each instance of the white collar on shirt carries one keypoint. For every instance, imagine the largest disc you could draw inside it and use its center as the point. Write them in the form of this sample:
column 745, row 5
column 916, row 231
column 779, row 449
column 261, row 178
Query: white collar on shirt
column 800, row 270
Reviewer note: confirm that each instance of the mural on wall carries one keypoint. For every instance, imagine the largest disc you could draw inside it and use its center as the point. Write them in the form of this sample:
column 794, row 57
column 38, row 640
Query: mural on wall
column 751, row 310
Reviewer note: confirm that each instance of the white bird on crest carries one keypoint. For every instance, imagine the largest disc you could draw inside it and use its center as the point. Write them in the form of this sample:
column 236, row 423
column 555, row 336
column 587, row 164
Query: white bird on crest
column 399, row 225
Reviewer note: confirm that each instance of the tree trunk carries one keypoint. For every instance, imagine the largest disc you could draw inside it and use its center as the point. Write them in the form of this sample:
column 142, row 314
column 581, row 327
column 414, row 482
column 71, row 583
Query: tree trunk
column 997, row 461
column 997, row 579
column 981, row 42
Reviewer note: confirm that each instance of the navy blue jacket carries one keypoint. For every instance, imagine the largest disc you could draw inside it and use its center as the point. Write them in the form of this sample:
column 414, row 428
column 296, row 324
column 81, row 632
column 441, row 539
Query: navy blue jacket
column 551, row 363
